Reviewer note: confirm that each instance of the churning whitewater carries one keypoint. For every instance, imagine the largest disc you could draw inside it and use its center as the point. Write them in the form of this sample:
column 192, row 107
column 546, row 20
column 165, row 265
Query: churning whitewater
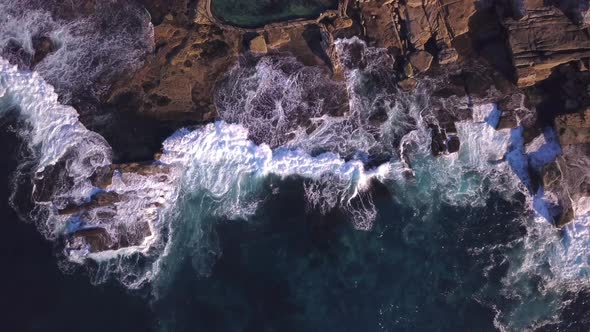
column 264, row 133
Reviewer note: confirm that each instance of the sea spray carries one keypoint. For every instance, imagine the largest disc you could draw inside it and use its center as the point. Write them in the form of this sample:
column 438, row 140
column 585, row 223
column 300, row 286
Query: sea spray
column 64, row 147
column 87, row 55
column 218, row 171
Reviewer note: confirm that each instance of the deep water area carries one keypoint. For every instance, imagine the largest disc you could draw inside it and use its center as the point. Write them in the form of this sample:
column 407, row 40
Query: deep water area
column 313, row 201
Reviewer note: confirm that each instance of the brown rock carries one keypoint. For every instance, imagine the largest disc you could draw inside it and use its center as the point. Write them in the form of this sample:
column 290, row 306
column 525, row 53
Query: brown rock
column 277, row 37
column 443, row 20
column 380, row 26
column 447, row 55
column 542, row 40
column 421, row 60
column 342, row 23
column 408, row 84
column 176, row 83
column 258, row 45
column 99, row 200
column 96, row 238
column 573, row 128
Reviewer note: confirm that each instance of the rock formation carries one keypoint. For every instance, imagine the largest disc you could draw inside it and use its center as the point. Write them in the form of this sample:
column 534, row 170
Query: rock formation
column 543, row 39
column 530, row 57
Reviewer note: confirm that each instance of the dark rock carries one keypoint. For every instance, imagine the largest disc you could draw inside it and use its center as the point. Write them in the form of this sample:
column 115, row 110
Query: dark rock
column 568, row 178
column 101, row 199
column 439, row 140
column 43, row 46
column 96, row 238
column 508, row 120
column 453, row 144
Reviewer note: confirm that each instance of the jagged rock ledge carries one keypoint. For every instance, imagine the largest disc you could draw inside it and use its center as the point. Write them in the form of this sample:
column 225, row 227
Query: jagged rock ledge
column 529, row 57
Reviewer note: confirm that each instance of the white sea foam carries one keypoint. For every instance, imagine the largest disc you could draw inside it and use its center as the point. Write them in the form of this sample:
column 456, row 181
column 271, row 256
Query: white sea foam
column 221, row 162
column 218, row 159
column 54, row 132
column 89, row 54
column 58, row 140
column 225, row 151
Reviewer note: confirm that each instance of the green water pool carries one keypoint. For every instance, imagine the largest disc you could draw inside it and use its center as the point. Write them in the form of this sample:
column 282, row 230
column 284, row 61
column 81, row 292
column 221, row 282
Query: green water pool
column 257, row 13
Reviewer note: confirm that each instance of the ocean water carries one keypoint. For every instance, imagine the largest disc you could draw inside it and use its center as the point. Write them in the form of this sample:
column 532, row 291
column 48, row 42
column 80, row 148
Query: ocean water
column 288, row 269
column 291, row 212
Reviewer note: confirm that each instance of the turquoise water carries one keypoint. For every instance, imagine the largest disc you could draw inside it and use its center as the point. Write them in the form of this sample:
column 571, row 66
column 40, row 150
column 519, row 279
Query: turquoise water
column 290, row 269
column 254, row 237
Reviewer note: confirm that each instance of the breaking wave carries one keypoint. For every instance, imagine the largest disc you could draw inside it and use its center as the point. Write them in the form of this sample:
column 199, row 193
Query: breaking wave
column 88, row 47
column 280, row 120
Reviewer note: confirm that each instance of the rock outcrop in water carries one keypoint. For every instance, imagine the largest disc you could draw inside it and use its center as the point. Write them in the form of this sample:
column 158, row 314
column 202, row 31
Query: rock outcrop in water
column 529, row 57
column 475, row 51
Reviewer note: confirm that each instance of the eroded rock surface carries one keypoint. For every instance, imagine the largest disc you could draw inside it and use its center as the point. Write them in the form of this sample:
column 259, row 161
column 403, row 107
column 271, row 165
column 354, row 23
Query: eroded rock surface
column 466, row 52
column 544, row 39
column 568, row 180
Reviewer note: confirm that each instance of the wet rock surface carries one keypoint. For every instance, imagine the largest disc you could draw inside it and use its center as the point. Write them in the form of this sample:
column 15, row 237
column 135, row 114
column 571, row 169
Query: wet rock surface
column 475, row 52
column 568, row 179
column 531, row 60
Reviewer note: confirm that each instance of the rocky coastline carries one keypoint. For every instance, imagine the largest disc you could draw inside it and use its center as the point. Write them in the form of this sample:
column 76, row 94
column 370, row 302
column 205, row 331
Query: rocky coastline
column 530, row 57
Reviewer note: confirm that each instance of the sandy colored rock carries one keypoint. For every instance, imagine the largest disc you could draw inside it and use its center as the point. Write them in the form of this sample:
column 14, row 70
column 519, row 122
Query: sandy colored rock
column 542, row 40
column 381, row 24
column 276, row 38
column 408, row 84
column 442, row 20
column 421, row 60
column 258, row 45
column 342, row 23
column 177, row 81
column 574, row 128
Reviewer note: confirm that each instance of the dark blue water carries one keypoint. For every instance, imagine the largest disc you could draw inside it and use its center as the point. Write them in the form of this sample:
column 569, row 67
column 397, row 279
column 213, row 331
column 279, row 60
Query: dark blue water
column 35, row 294
column 289, row 269
column 435, row 267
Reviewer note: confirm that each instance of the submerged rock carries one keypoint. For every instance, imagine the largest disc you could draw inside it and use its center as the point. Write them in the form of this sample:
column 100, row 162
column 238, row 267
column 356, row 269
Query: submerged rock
column 43, row 46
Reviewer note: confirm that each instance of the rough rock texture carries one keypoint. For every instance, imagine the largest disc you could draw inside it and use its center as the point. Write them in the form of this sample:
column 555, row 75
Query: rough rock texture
column 442, row 20
column 276, row 38
column 258, row 45
column 103, row 226
column 421, row 60
column 544, row 39
column 177, row 81
column 573, row 128
column 466, row 51
column 568, row 178
column 417, row 24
